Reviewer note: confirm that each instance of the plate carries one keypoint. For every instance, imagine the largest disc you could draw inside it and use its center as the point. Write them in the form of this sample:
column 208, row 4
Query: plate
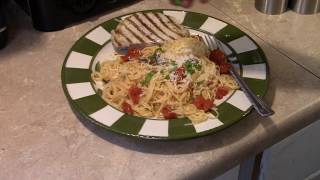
column 95, row 46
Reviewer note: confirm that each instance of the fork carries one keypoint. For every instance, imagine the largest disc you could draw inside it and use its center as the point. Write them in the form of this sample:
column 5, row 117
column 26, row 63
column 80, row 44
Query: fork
column 259, row 105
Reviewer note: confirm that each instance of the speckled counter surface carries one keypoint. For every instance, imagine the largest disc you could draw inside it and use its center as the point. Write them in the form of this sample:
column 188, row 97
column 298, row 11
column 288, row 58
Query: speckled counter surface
column 41, row 138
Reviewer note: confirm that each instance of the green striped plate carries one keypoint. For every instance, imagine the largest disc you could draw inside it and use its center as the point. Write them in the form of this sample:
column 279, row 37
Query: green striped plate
column 95, row 46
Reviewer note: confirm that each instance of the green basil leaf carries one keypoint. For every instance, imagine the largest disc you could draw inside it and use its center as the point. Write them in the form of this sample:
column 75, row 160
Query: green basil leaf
column 147, row 78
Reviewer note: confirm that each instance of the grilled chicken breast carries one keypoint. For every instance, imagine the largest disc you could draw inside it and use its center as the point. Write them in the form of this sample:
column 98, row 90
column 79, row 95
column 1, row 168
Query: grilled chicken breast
column 146, row 29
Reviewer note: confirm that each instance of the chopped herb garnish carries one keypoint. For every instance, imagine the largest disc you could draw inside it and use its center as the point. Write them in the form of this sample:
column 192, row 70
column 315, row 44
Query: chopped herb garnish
column 173, row 63
column 153, row 57
column 167, row 76
column 159, row 49
column 191, row 67
column 147, row 78
column 198, row 66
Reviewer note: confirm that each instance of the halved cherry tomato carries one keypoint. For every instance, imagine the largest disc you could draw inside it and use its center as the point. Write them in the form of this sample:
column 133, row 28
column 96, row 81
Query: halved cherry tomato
column 125, row 58
column 134, row 93
column 132, row 53
column 203, row 104
column 180, row 72
column 217, row 57
column 224, row 68
column 207, row 105
column 168, row 113
column 198, row 101
column 127, row 108
column 221, row 91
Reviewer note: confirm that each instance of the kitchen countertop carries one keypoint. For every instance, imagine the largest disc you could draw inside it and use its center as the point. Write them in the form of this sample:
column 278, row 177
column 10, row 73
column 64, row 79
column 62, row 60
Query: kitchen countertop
column 41, row 138
column 290, row 33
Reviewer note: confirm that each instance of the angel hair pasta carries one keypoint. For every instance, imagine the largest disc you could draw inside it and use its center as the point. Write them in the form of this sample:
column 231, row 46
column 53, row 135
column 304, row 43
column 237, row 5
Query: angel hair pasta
column 180, row 78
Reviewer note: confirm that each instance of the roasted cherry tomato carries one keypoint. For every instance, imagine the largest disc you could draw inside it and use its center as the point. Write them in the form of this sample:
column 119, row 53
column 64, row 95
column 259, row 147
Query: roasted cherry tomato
column 133, row 53
column 224, row 68
column 180, row 73
column 217, row 57
column 207, row 105
column 198, row 101
column 125, row 58
column 203, row 104
column 168, row 113
column 134, row 93
column 127, row 108
column 221, row 91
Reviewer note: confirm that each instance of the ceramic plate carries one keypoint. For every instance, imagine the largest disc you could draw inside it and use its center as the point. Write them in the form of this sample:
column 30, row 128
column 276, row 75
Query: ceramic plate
column 95, row 46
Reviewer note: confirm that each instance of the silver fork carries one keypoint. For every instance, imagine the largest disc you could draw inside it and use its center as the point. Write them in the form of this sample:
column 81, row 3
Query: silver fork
column 259, row 105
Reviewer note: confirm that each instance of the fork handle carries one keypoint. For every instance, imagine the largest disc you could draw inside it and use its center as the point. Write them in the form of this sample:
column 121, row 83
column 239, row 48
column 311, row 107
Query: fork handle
column 259, row 105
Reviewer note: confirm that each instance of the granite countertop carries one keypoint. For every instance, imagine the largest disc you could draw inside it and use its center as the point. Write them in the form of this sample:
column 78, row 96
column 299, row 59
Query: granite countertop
column 41, row 138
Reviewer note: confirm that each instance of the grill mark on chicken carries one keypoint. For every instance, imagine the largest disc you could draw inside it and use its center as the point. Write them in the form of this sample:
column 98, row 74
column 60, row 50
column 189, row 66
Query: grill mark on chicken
column 157, row 15
column 149, row 28
column 117, row 43
column 149, row 33
column 156, row 25
column 118, row 31
column 115, row 38
column 150, row 24
column 178, row 28
column 146, row 26
column 174, row 23
column 133, row 33
column 139, row 29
